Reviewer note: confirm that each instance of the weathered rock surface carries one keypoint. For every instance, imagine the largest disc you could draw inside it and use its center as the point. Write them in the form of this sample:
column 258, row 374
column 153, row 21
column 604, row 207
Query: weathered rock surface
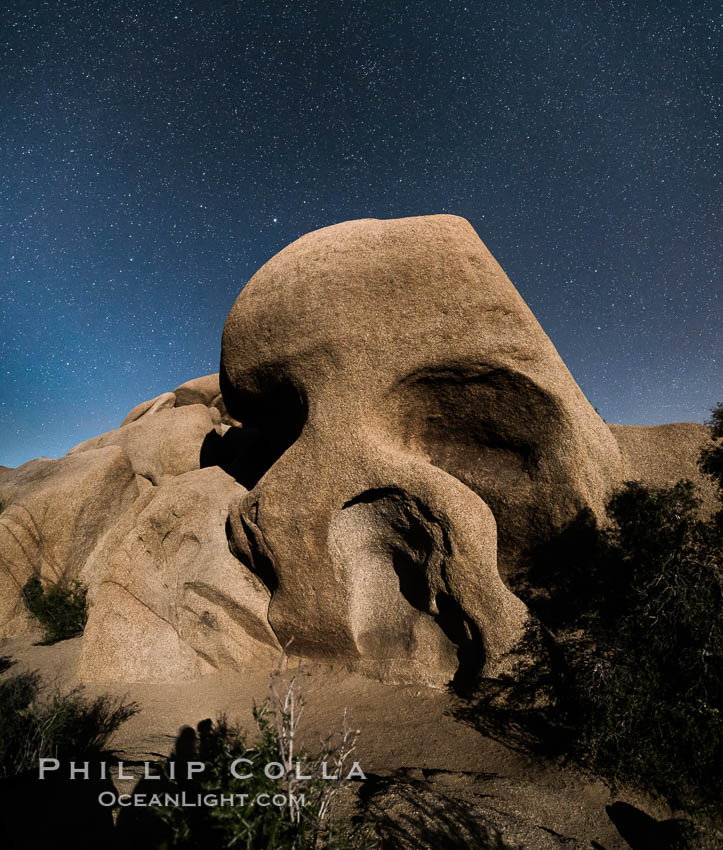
column 205, row 390
column 53, row 513
column 401, row 383
column 161, row 443
column 172, row 602
column 146, row 408
column 662, row 455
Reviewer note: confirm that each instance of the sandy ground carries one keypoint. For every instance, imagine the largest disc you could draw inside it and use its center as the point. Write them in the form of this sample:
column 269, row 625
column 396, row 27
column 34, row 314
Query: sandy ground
column 404, row 731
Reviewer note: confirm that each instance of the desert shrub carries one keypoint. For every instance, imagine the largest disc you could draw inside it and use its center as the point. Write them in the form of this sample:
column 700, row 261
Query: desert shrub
column 644, row 697
column 35, row 725
column 303, row 822
column 711, row 457
column 630, row 683
column 61, row 608
column 19, row 731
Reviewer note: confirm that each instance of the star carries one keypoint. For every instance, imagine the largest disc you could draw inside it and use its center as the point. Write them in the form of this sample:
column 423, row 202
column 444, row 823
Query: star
column 588, row 178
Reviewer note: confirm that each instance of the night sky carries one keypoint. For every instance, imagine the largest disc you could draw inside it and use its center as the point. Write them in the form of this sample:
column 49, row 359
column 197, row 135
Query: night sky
column 155, row 154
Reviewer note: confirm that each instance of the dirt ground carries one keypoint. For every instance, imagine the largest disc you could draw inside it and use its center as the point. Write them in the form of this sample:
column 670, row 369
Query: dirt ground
column 416, row 755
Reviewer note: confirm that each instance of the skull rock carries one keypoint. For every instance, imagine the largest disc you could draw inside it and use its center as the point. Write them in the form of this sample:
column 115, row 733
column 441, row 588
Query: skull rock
column 417, row 434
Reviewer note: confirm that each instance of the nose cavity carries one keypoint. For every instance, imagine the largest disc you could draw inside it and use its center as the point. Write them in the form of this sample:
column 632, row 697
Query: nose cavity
column 403, row 530
column 395, row 549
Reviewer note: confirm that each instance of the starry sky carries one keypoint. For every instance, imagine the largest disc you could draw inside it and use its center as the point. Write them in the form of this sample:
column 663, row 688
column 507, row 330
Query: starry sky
column 155, row 154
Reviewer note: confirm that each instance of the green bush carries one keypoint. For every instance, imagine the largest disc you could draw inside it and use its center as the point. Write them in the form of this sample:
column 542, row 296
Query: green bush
column 711, row 457
column 63, row 726
column 630, row 684
column 644, row 697
column 61, row 608
column 293, row 826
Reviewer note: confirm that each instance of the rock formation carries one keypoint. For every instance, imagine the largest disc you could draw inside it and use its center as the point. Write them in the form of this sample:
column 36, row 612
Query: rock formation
column 391, row 435
column 172, row 599
column 415, row 420
column 53, row 513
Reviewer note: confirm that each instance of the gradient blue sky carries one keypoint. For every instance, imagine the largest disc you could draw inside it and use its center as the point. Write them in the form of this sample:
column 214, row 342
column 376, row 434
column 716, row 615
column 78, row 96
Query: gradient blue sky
column 156, row 154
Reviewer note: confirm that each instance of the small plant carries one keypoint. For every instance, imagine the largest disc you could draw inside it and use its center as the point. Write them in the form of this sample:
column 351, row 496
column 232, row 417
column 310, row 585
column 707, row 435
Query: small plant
column 61, row 608
column 62, row 726
column 711, row 456
column 289, row 810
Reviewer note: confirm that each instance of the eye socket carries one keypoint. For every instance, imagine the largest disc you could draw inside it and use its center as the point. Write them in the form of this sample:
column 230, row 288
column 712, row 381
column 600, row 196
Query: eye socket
column 482, row 422
column 273, row 405
column 272, row 412
column 494, row 430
